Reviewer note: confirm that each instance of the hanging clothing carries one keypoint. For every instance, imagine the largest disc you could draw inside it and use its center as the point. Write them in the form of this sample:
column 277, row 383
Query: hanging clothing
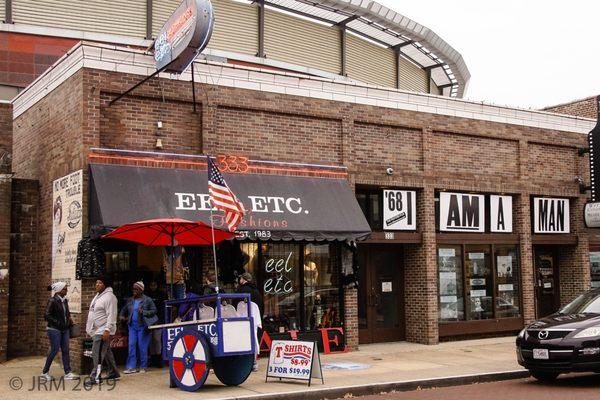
column 91, row 262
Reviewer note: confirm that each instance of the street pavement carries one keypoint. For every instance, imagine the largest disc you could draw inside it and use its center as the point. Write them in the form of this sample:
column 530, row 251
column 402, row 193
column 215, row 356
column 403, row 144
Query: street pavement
column 379, row 367
column 566, row 387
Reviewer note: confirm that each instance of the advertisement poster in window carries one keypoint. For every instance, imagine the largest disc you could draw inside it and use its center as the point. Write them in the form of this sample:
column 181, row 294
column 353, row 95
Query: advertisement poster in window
column 447, row 283
column 504, row 266
column 67, row 200
column 399, row 210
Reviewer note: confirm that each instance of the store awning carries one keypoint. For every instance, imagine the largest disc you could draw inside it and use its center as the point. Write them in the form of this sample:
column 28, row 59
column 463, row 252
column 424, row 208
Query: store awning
column 280, row 207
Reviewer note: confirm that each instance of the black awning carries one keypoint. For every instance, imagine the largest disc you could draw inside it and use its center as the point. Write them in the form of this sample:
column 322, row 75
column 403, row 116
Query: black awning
column 280, row 207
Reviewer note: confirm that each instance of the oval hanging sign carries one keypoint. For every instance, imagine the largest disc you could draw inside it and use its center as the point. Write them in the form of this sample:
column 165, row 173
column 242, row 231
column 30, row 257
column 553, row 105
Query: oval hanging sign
column 591, row 215
column 185, row 34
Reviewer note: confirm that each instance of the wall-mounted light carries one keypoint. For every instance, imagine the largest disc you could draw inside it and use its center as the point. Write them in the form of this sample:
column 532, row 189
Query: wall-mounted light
column 159, row 144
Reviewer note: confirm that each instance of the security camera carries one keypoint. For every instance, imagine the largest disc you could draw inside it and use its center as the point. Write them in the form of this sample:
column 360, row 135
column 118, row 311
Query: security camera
column 579, row 180
column 389, row 170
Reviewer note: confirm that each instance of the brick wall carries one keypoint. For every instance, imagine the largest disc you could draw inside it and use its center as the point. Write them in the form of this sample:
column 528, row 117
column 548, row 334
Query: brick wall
column 5, row 202
column 53, row 138
column 586, row 108
column 24, row 289
column 5, row 196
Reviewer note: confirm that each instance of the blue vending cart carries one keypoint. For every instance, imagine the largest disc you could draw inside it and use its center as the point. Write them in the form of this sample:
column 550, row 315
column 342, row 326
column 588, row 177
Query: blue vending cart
column 220, row 337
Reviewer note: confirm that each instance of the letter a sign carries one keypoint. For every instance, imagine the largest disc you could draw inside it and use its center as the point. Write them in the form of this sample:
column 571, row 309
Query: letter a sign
column 500, row 214
column 461, row 212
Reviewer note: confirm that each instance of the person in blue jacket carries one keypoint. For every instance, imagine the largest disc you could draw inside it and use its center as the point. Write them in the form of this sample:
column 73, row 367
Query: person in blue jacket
column 139, row 313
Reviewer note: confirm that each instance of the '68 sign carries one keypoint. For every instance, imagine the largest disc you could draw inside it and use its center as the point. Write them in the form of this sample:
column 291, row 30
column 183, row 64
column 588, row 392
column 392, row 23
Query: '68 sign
column 399, row 210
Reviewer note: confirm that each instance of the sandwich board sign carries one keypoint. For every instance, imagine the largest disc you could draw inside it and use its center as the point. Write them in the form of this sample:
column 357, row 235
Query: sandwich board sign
column 292, row 359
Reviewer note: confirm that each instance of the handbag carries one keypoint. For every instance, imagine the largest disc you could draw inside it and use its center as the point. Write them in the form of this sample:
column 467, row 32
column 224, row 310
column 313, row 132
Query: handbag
column 74, row 331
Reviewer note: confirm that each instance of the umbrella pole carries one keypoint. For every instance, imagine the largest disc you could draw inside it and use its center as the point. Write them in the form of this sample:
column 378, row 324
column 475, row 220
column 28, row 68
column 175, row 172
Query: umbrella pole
column 172, row 257
column 212, row 231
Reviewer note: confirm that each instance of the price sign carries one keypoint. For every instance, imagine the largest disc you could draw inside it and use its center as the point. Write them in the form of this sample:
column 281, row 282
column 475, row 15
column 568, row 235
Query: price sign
column 293, row 359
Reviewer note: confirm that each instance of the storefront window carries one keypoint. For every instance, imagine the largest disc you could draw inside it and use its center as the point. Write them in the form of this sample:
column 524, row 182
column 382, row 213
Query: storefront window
column 321, row 289
column 451, row 305
column 480, row 282
column 280, row 270
column 507, row 281
column 370, row 203
column 595, row 268
column 492, row 285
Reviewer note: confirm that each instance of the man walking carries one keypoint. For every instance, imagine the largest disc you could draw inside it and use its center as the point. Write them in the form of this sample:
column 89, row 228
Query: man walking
column 101, row 325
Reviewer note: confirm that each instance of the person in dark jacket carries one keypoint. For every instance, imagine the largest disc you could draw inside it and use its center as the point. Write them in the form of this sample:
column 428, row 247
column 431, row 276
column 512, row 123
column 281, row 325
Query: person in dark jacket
column 247, row 285
column 59, row 321
column 139, row 313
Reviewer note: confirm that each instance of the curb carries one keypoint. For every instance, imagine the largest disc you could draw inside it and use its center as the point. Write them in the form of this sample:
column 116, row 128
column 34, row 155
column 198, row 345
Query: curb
column 384, row 387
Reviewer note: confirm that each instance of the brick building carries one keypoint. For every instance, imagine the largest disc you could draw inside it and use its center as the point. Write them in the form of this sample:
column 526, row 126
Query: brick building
column 491, row 237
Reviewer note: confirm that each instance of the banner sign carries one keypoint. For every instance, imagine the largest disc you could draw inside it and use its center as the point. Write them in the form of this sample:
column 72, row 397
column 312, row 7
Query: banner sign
column 501, row 214
column 461, row 212
column 67, row 213
column 591, row 215
column 399, row 210
column 291, row 359
column 594, row 147
column 185, row 34
column 550, row 215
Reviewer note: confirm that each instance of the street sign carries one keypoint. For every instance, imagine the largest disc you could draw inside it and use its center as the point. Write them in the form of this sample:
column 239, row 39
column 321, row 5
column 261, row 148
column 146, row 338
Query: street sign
column 185, row 34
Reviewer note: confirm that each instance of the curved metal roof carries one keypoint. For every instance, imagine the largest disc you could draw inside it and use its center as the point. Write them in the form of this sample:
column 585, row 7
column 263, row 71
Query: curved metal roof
column 375, row 22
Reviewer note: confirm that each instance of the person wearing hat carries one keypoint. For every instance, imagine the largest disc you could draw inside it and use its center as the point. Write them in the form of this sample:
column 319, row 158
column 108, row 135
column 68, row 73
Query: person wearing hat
column 247, row 285
column 139, row 313
column 101, row 325
column 59, row 321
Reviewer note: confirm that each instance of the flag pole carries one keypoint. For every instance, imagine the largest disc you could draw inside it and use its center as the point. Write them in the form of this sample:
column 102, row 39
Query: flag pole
column 212, row 231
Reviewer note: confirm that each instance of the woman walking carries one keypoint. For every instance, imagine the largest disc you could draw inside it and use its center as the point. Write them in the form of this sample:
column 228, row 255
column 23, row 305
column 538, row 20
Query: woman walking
column 59, row 321
column 140, row 313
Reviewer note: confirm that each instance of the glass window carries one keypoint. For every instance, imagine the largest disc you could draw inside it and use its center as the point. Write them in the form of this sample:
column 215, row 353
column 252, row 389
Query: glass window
column 480, row 282
column 451, row 304
column 280, row 270
column 507, row 281
column 370, row 203
column 321, row 288
column 595, row 268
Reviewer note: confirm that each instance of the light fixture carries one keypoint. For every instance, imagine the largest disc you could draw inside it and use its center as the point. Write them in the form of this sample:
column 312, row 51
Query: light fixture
column 159, row 144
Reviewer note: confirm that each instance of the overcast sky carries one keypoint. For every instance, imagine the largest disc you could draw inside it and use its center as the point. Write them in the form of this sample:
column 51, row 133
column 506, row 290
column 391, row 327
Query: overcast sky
column 526, row 53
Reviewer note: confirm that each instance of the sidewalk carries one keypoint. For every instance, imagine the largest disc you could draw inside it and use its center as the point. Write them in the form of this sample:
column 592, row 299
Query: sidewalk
column 383, row 366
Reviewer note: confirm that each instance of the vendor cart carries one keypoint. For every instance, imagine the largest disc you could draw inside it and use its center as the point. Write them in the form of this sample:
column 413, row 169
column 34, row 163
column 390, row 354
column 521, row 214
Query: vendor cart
column 219, row 336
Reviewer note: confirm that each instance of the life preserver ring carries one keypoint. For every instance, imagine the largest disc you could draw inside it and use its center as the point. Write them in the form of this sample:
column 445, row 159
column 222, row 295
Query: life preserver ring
column 189, row 360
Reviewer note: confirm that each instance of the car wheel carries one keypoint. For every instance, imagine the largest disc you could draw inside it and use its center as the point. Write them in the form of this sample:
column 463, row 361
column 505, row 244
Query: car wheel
column 544, row 376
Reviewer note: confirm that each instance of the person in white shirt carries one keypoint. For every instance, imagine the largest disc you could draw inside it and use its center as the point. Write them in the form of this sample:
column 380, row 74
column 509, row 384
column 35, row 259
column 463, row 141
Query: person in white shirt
column 101, row 325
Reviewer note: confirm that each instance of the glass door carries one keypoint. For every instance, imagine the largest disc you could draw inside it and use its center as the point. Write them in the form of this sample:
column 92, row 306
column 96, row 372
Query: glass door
column 381, row 294
column 546, row 281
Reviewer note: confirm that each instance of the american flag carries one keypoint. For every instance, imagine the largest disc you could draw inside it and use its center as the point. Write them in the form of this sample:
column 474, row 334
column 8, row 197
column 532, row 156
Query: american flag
column 223, row 198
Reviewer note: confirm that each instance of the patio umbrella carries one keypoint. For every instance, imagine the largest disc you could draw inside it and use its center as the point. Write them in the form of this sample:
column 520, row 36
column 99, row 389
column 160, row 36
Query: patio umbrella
column 169, row 232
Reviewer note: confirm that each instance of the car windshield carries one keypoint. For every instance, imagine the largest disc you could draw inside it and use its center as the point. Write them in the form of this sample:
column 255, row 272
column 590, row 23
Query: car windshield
column 587, row 303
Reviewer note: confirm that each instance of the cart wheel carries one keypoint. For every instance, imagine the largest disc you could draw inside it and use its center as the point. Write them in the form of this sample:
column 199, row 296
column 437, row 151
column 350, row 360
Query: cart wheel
column 188, row 363
column 233, row 370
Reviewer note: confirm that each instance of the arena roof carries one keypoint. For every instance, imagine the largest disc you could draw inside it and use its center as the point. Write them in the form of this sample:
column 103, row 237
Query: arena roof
column 382, row 25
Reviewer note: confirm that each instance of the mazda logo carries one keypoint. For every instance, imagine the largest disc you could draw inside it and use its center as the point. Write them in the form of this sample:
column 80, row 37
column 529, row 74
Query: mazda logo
column 543, row 335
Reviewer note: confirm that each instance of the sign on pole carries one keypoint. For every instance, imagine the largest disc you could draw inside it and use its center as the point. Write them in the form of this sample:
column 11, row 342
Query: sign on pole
column 185, row 34
column 591, row 213
column 291, row 359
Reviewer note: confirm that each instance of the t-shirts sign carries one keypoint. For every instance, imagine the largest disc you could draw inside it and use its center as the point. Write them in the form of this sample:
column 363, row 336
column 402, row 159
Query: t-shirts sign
column 461, row 212
column 292, row 359
column 500, row 214
column 550, row 215
column 399, row 210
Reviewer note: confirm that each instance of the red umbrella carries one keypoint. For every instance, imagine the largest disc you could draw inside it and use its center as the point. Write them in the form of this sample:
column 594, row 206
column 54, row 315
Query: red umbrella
column 169, row 232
